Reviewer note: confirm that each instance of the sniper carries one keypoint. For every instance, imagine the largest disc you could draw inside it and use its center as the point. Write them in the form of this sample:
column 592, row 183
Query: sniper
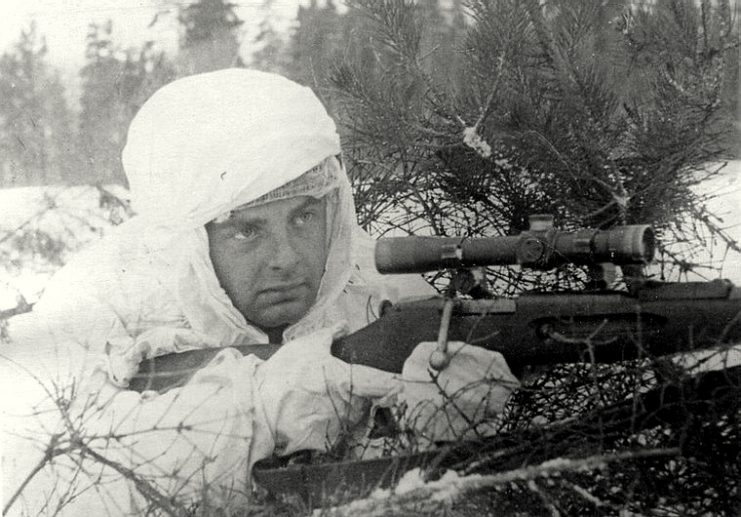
column 245, row 232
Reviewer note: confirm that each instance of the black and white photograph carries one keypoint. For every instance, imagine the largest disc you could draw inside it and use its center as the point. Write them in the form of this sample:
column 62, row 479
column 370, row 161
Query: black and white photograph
column 370, row 258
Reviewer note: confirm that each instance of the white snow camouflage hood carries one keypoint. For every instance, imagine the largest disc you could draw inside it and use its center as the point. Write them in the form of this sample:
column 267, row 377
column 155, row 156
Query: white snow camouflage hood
column 207, row 144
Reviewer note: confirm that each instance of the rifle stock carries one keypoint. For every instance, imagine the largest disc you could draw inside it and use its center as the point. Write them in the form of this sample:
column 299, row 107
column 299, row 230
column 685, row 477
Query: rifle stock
column 532, row 329
column 544, row 328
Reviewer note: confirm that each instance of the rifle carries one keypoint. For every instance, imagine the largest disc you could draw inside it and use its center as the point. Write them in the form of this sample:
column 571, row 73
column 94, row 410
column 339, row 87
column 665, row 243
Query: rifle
column 598, row 324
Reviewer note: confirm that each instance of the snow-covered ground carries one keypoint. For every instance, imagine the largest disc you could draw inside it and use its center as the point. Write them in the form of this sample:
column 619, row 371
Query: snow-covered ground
column 40, row 227
column 728, row 206
column 725, row 203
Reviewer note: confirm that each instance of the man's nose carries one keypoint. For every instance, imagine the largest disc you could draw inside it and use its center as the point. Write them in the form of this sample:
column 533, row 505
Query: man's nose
column 283, row 252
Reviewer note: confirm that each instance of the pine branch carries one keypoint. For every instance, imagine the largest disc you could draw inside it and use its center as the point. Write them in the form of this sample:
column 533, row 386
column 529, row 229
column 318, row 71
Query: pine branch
column 434, row 496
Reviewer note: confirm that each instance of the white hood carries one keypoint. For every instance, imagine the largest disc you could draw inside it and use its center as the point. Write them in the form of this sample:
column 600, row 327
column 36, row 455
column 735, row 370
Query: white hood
column 209, row 143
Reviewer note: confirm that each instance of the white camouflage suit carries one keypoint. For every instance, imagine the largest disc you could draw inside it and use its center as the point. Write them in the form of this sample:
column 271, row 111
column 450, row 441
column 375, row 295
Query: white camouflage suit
column 199, row 148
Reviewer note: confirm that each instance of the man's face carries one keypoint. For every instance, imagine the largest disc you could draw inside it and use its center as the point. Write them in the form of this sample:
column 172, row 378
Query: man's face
column 270, row 259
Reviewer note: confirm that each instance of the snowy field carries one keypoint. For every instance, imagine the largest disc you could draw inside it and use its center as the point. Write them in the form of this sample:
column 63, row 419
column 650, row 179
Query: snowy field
column 725, row 190
column 40, row 227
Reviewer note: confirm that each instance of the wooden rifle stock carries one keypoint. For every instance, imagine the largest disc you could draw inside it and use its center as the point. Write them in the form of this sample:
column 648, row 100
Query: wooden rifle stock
column 562, row 327
column 535, row 328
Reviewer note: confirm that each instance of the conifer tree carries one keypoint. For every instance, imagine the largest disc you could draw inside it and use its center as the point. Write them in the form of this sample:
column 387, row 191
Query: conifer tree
column 102, row 117
column 271, row 54
column 35, row 121
column 115, row 83
column 601, row 113
column 316, row 43
column 210, row 36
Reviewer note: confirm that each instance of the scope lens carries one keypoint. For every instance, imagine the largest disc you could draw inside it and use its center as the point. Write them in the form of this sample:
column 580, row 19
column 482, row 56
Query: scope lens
column 633, row 244
column 649, row 244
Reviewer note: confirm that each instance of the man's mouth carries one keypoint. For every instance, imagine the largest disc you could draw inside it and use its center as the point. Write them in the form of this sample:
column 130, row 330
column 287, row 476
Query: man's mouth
column 283, row 292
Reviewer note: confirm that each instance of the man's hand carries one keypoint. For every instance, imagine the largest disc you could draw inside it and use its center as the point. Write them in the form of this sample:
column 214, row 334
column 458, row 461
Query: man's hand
column 462, row 400
column 308, row 398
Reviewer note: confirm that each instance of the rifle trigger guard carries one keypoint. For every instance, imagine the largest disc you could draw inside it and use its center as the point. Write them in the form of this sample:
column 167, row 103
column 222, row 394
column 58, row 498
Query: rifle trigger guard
column 440, row 359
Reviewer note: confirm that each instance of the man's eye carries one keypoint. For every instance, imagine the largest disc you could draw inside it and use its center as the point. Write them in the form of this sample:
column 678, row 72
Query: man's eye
column 245, row 234
column 304, row 217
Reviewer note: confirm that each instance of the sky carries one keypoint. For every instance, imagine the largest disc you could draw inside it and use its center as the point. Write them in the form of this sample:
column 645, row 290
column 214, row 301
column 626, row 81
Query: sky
column 65, row 22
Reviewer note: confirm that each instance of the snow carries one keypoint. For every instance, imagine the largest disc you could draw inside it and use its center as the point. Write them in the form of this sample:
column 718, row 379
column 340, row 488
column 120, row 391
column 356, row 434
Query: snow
column 445, row 490
column 725, row 203
column 473, row 140
column 414, row 479
column 42, row 227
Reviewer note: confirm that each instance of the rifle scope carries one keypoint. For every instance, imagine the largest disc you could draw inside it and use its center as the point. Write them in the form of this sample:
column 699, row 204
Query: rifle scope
column 541, row 247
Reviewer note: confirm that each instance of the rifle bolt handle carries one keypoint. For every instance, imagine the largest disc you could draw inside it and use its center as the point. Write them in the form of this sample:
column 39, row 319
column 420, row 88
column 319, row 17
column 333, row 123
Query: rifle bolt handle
column 439, row 360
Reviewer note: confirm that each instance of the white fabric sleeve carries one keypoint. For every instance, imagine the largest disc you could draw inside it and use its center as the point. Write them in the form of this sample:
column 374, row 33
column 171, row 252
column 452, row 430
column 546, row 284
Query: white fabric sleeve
column 307, row 398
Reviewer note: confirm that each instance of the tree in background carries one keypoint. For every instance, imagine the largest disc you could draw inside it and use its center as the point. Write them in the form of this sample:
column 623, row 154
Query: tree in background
column 211, row 36
column 115, row 83
column 102, row 118
column 35, row 121
column 601, row 113
column 271, row 54
column 317, row 42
